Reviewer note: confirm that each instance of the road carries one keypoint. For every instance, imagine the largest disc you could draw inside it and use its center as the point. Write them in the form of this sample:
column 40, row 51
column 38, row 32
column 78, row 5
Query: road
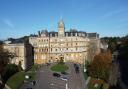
column 45, row 79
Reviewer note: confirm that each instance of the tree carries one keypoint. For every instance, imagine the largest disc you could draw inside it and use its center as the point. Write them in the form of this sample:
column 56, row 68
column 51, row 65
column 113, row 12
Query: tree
column 99, row 67
column 8, row 71
column 19, row 66
column 61, row 61
column 5, row 56
column 1, row 42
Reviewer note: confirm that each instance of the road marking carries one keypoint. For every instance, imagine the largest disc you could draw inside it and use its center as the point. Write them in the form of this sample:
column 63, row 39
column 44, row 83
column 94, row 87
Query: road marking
column 78, row 87
column 55, row 83
column 66, row 86
column 52, row 84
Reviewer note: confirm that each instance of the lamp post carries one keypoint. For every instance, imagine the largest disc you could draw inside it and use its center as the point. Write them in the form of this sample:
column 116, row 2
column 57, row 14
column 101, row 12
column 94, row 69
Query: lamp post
column 84, row 66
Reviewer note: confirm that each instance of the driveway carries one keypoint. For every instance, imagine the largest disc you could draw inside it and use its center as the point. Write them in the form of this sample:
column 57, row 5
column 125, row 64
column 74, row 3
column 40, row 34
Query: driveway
column 45, row 79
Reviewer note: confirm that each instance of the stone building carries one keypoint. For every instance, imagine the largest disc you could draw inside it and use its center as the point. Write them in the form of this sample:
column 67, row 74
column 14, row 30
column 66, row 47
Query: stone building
column 70, row 45
column 22, row 54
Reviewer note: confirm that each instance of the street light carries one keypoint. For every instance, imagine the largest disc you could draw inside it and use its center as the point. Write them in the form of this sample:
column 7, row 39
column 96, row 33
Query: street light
column 84, row 64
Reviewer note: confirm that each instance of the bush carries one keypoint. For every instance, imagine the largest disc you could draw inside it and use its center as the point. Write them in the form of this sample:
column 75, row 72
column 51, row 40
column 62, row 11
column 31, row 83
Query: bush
column 105, row 86
column 9, row 70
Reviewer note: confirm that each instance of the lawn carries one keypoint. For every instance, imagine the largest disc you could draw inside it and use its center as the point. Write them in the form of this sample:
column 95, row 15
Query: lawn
column 17, row 79
column 59, row 67
column 85, row 75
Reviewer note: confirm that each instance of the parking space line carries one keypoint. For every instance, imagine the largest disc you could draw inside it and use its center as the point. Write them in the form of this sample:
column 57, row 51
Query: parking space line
column 55, row 83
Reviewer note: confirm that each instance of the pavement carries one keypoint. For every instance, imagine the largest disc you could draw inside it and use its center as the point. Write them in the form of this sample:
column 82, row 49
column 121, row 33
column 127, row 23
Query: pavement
column 46, row 80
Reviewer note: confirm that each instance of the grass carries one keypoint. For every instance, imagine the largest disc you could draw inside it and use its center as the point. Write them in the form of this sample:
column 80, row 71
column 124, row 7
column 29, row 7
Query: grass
column 34, row 68
column 17, row 79
column 59, row 68
column 85, row 75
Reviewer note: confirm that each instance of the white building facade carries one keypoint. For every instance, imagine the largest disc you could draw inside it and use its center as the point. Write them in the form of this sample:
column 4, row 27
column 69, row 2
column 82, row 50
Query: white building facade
column 70, row 45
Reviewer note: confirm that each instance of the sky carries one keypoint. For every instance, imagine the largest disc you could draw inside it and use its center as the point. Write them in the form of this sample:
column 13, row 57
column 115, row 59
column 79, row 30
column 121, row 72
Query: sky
column 24, row 17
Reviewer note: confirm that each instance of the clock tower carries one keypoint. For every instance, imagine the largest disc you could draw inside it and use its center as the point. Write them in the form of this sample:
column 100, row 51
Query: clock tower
column 61, row 29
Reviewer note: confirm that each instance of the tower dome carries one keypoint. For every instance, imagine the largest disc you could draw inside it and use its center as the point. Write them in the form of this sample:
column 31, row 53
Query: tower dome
column 61, row 28
column 61, row 24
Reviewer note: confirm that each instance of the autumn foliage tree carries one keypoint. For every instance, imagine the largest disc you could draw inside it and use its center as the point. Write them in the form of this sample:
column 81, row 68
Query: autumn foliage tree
column 99, row 67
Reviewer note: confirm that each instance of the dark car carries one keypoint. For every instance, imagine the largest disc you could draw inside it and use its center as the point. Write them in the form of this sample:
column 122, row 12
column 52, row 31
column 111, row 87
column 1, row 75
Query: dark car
column 77, row 69
column 28, row 88
column 56, row 74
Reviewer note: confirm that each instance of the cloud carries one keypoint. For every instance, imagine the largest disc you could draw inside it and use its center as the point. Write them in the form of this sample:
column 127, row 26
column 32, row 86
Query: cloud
column 110, row 14
column 8, row 23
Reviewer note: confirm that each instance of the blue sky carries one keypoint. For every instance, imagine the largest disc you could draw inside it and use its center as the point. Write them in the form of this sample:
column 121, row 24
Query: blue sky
column 23, row 17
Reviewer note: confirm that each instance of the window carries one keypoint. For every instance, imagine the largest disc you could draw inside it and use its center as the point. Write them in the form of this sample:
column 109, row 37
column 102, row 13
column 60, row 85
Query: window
column 76, row 34
column 51, row 49
column 76, row 48
column 66, row 34
column 56, row 49
column 76, row 43
column 35, row 57
column 71, row 44
column 61, row 49
column 47, row 49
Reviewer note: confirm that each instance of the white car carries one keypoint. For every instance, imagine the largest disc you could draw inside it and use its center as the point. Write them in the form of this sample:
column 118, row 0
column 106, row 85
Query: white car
column 64, row 78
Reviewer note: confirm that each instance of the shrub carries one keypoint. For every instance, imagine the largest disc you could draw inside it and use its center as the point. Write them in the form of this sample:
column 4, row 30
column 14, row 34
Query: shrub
column 9, row 70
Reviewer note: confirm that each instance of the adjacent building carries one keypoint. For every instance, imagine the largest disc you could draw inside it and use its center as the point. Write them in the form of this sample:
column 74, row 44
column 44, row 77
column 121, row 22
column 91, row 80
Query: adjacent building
column 70, row 45
column 23, row 54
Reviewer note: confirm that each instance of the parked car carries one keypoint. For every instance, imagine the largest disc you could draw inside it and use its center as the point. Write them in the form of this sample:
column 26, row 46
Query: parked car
column 64, row 78
column 56, row 75
column 29, row 88
column 77, row 69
